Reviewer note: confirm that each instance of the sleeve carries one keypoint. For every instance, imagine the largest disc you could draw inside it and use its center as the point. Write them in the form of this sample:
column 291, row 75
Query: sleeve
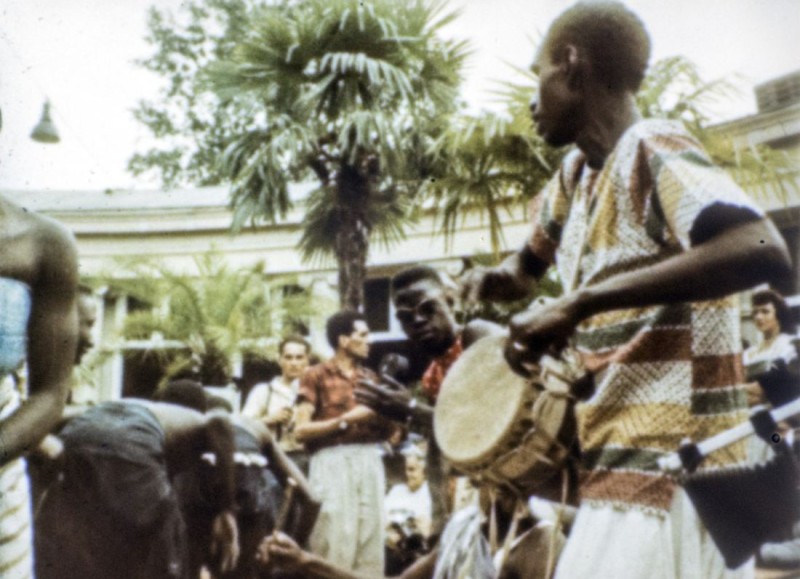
column 691, row 199
column 308, row 388
column 550, row 208
column 256, row 404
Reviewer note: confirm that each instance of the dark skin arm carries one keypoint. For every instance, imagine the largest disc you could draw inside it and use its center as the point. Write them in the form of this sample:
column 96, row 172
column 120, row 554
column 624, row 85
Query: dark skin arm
column 52, row 339
column 392, row 400
column 191, row 435
column 279, row 551
column 284, row 469
column 511, row 280
column 734, row 260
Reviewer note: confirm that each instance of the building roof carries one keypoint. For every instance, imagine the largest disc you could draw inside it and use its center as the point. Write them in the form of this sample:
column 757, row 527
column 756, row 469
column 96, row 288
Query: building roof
column 113, row 200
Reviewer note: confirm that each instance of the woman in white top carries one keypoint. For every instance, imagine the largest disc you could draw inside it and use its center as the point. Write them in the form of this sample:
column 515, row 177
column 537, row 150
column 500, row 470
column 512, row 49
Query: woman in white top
column 771, row 365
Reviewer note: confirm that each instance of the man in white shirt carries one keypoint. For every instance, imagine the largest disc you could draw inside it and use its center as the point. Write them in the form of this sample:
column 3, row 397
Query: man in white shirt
column 273, row 403
column 412, row 499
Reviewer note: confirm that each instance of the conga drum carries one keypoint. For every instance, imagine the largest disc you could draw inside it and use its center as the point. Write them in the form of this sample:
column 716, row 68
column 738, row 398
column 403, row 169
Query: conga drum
column 499, row 427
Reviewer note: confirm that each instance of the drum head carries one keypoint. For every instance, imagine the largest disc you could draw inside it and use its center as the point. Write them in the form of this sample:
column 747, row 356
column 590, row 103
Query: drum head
column 479, row 404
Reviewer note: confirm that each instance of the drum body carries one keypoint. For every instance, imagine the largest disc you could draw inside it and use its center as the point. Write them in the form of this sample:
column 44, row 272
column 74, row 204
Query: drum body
column 496, row 426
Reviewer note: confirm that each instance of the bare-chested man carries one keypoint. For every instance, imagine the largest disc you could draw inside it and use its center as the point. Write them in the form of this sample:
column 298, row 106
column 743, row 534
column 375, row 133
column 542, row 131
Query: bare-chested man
column 114, row 512
column 38, row 324
column 263, row 473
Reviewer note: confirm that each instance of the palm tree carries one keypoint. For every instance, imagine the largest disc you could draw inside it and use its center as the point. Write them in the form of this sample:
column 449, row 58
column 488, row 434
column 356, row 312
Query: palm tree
column 674, row 89
column 217, row 315
column 492, row 162
column 350, row 93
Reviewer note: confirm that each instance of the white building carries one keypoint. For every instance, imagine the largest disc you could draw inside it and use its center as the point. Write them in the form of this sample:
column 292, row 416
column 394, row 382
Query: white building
column 174, row 226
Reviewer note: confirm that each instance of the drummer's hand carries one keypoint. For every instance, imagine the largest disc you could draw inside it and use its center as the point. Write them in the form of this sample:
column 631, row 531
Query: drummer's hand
column 389, row 399
column 540, row 331
column 280, row 551
column 472, row 284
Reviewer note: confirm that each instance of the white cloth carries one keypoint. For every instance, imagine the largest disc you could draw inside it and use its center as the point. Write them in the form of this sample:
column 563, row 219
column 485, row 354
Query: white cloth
column 16, row 525
column 401, row 503
column 608, row 543
column 463, row 550
column 268, row 398
column 760, row 358
column 349, row 481
column 782, row 348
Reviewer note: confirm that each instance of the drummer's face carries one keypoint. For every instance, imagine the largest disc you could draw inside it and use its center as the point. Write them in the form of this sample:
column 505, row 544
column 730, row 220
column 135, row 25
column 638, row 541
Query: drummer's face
column 426, row 316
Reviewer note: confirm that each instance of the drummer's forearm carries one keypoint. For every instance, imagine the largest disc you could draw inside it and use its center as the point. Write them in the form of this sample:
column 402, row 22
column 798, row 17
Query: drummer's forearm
column 733, row 261
column 514, row 278
column 421, row 419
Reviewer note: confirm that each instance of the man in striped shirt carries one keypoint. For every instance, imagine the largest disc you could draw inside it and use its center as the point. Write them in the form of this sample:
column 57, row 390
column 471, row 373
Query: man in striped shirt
column 650, row 241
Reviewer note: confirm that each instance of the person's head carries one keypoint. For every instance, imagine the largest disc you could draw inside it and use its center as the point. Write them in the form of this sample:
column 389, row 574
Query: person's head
column 184, row 392
column 591, row 47
column 771, row 314
column 415, row 470
column 424, row 307
column 348, row 334
column 87, row 316
column 293, row 356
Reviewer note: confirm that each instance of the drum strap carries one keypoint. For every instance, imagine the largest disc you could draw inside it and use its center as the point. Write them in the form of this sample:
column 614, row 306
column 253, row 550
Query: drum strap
column 520, row 509
column 551, row 559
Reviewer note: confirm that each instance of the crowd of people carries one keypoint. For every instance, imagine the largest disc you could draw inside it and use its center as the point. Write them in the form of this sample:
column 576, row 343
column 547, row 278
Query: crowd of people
column 651, row 242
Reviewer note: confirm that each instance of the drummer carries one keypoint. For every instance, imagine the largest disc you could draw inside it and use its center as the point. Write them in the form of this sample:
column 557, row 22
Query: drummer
column 463, row 551
column 650, row 240
column 424, row 301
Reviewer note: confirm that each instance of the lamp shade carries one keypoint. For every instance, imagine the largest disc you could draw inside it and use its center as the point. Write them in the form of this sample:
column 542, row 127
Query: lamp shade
column 45, row 131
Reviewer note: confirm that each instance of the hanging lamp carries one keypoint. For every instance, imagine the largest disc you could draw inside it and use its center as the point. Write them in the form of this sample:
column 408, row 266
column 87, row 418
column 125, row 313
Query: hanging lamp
column 45, row 131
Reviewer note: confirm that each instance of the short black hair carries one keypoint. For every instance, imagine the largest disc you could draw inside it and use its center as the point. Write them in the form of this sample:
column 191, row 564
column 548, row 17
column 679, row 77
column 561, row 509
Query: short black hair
column 85, row 290
column 341, row 324
column 613, row 37
column 184, row 392
column 294, row 339
column 782, row 311
column 412, row 275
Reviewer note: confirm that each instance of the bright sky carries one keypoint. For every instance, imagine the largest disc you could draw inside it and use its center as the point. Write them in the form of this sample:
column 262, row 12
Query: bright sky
column 80, row 53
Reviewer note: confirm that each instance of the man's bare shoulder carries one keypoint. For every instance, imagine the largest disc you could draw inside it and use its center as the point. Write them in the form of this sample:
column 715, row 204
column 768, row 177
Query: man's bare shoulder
column 253, row 426
column 55, row 248
column 172, row 417
column 54, row 236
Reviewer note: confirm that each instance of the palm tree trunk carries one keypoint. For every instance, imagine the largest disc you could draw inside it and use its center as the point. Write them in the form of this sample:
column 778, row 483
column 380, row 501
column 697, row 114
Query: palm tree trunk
column 352, row 238
column 352, row 247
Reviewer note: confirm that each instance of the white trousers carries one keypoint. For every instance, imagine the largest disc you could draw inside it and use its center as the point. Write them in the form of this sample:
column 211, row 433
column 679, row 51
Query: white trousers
column 610, row 543
column 349, row 480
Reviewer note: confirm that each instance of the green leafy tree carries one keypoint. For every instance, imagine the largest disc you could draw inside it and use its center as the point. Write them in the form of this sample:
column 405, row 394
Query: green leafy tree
column 674, row 89
column 352, row 93
column 218, row 314
column 490, row 162
column 192, row 126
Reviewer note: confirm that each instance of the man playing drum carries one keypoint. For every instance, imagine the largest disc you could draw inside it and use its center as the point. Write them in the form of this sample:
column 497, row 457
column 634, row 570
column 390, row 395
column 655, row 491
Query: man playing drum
column 650, row 240
column 424, row 302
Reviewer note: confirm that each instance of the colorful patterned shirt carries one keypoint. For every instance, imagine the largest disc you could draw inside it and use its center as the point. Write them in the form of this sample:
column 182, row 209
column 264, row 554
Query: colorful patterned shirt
column 662, row 373
column 437, row 370
column 333, row 393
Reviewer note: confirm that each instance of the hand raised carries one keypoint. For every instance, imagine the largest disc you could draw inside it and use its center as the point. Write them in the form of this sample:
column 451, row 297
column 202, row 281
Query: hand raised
column 389, row 399
column 542, row 329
